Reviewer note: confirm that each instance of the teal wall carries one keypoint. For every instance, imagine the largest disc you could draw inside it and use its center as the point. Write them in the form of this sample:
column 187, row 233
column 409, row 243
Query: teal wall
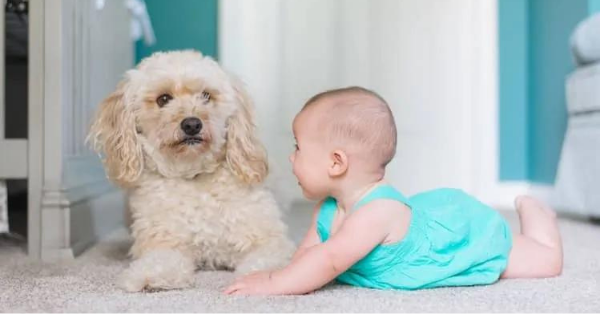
column 551, row 24
column 181, row 24
column 534, row 60
column 594, row 6
column 513, row 80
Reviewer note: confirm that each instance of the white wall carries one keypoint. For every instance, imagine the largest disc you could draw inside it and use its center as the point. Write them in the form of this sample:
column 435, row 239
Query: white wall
column 434, row 61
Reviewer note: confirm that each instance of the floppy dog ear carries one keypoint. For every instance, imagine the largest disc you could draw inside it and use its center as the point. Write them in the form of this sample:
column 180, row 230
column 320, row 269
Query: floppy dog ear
column 114, row 134
column 246, row 155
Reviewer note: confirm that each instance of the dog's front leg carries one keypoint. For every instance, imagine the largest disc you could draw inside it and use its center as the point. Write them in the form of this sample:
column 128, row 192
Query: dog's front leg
column 158, row 265
column 273, row 254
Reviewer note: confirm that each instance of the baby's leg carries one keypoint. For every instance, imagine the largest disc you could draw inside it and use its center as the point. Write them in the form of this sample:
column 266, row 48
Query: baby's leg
column 537, row 250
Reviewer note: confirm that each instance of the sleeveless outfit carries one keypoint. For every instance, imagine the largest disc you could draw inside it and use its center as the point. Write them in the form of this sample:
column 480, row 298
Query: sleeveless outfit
column 452, row 240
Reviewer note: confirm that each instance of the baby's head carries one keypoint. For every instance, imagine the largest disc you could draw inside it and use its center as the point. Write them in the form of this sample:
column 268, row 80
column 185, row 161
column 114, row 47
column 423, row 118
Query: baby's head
column 341, row 134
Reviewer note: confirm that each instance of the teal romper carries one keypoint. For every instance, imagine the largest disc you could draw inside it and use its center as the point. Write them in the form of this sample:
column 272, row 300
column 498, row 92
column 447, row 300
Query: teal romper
column 452, row 240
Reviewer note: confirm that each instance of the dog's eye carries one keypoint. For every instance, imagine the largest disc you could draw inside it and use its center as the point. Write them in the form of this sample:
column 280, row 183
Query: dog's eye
column 205, row 96
column 163, row 99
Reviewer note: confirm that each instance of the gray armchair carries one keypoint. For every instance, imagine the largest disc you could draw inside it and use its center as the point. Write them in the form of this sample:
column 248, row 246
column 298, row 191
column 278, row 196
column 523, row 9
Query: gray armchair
column 577, row 186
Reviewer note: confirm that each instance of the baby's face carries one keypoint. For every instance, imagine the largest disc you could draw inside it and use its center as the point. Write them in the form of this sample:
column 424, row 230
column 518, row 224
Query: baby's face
column 310, row 158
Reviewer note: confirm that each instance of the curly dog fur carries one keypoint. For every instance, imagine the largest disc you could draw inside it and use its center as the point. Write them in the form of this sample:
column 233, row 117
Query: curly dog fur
column 195, row 200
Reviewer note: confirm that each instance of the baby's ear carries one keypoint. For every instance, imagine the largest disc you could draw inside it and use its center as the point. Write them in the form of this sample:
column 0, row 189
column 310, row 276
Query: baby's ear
column 246, row 155
column 114, row 134
column 338, row 163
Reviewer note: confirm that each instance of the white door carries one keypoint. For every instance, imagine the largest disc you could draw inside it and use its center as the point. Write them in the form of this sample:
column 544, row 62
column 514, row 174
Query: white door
column 423, row 56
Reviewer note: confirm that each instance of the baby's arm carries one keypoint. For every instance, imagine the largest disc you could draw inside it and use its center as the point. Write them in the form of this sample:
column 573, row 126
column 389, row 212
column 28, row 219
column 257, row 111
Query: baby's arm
column 320, row 264
column 311, row 238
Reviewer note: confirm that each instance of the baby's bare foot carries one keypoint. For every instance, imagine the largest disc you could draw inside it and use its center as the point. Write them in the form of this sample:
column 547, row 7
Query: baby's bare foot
column 538, row 221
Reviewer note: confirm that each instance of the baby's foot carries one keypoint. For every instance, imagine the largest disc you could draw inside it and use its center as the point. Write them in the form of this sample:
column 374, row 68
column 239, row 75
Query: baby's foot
column 538, row 221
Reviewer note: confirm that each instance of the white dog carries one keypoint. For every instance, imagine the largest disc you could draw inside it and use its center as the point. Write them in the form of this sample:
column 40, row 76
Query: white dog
column 178, row 135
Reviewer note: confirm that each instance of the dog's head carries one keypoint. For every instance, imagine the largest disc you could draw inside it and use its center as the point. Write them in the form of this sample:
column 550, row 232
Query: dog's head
column 180, row 114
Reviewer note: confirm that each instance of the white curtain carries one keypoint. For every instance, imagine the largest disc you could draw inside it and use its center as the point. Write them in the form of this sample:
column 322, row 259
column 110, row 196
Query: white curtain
column 421, row 55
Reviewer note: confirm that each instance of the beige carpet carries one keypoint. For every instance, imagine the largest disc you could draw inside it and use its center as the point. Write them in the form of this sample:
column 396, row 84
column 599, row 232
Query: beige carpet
column 87, row 285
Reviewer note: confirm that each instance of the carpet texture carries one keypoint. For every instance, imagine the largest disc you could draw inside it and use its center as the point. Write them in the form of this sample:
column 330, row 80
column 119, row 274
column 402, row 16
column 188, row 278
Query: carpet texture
column 87, row 285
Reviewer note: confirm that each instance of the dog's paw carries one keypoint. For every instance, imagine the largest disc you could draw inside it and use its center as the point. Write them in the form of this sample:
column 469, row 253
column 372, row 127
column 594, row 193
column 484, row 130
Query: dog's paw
column 249, row 267
column 162, row 269
column 274, row 255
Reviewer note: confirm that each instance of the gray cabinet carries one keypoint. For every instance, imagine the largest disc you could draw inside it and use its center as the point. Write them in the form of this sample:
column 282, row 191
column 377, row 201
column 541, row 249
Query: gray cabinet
column 77, row 53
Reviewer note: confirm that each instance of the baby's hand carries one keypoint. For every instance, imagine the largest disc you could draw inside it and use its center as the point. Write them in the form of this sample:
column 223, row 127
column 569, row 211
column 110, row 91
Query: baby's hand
column 258, row 283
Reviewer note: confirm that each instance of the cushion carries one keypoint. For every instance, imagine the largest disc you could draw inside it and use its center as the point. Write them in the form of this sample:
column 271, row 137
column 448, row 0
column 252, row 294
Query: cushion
column 583, row 90
column 585, row 41
column 578, row 175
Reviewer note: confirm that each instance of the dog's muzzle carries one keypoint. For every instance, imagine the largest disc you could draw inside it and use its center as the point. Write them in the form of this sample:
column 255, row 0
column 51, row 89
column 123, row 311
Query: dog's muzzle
column 191, row 126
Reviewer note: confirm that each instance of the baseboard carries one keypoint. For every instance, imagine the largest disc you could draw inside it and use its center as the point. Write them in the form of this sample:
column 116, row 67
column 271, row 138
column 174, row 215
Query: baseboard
column 96, row 206
column 502, row 194
column 55, row 255
column 94, row 218
column 543, row 192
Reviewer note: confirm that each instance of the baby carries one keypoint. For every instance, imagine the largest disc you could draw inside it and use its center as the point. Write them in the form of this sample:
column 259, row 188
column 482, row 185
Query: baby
column 366, row 233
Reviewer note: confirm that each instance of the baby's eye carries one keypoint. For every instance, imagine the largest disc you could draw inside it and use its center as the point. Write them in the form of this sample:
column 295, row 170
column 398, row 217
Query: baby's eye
column 296, row 147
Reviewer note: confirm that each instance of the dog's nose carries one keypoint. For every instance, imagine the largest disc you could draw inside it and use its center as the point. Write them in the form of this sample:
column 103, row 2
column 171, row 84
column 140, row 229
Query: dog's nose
column 191, row 126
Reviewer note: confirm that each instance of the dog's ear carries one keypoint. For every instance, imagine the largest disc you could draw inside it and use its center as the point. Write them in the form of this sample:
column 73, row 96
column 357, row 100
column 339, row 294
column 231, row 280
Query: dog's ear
column 246, row 155
column 113, row 133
